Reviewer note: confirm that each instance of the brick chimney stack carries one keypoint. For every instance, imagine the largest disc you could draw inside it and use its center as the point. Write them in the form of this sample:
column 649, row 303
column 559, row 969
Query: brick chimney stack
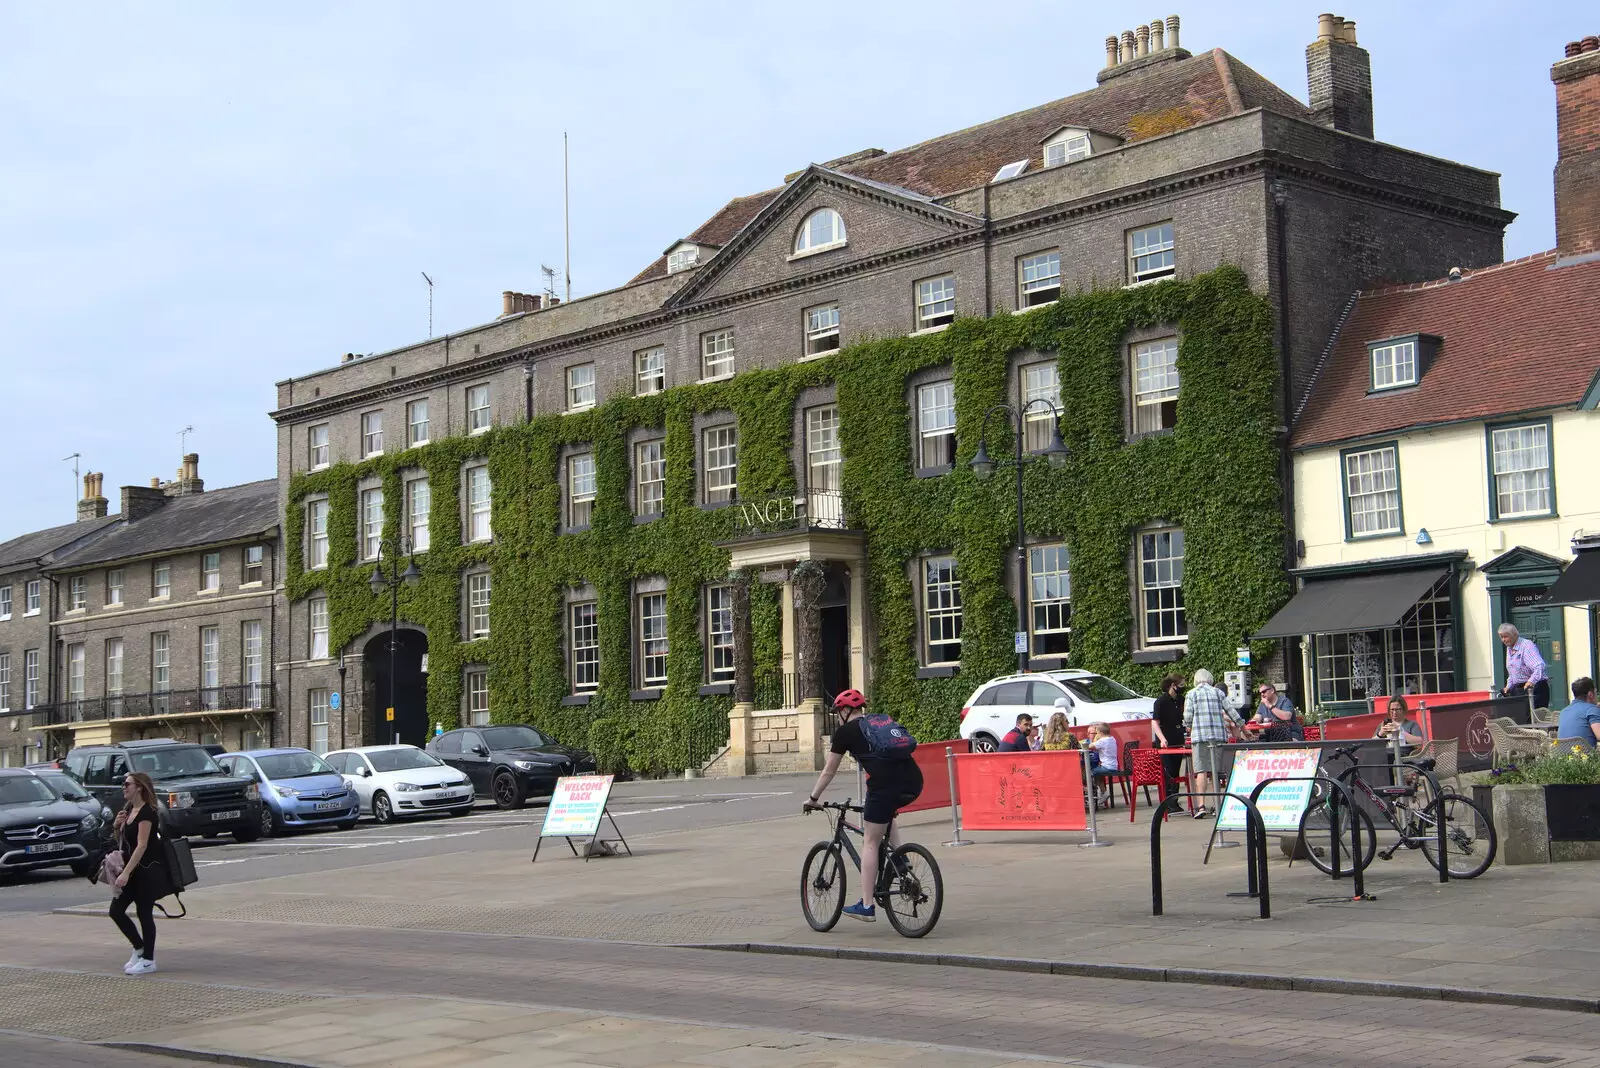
column 1577, row 79
column 93, row 505
column 188, row 481
column 140, row 501
column 1339, row 73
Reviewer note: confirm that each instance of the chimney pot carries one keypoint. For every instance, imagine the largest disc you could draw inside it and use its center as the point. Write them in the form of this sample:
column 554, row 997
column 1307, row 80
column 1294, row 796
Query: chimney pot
column 1590, row 43
column 1347, row 33
column 508, row 303
column 1142, row 36
column 1172, row 31
column 1157, row 33
column 1325, row 24
column 155, row 483
column 1111, row 51
column 1129, row 48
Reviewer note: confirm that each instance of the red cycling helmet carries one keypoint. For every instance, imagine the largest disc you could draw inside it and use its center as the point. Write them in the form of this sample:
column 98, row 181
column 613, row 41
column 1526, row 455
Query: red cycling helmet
column 849, row 699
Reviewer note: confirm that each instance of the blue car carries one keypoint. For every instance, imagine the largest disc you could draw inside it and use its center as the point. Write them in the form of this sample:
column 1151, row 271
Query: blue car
column 298, row 789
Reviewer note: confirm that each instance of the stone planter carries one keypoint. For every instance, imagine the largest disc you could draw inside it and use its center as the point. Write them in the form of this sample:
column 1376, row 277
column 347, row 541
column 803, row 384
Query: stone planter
column 1541, row 824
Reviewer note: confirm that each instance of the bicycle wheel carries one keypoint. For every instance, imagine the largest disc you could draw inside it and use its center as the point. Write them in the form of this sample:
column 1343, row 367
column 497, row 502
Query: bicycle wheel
column 822, row 886
column 915, row 894
column 1316, row 837
column 1469, row 836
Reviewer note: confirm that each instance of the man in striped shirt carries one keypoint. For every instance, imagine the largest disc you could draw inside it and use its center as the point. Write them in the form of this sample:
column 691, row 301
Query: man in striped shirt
column 1210, row 724
column 1525, row 670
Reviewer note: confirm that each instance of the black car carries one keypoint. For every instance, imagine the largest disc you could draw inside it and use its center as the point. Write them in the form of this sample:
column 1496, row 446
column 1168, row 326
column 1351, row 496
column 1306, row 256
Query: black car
column 69, row 789
column 509, row 763
column 40, row 829
column 193, row 794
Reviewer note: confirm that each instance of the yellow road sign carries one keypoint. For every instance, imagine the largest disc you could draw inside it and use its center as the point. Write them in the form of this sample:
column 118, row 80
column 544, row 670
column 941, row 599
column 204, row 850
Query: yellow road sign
column 388, row 714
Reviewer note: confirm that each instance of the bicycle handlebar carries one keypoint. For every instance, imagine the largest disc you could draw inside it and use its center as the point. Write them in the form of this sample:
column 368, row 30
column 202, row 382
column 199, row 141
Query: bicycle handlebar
column 844, row 806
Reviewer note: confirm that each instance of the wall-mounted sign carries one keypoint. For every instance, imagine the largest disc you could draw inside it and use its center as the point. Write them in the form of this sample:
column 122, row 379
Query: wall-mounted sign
column 775, row 514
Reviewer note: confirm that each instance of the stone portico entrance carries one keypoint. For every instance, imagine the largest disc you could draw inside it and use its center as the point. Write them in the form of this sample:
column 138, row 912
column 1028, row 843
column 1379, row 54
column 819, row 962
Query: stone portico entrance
column 823, row 602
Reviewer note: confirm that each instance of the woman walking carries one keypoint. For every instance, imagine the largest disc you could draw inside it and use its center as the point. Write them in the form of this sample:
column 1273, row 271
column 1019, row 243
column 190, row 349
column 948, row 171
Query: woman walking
column 143, row 878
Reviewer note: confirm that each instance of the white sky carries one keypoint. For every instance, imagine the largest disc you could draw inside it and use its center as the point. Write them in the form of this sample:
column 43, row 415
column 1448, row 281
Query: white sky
column 197, row 200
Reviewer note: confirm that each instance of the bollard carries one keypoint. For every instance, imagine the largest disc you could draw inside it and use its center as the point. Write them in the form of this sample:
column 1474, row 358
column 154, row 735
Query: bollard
column 1089, row 792
column 955, row 800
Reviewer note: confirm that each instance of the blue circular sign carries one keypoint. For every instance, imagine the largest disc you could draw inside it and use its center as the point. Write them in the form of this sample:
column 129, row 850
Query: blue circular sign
column 334, row 700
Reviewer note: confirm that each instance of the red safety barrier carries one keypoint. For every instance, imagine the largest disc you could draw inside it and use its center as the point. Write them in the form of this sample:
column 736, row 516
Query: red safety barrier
column 1415, row 701
column 1341, row 728
column 1022, row 791
column 935, row 773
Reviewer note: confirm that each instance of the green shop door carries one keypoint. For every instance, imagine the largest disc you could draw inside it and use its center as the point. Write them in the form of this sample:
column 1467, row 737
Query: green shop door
column 1546, row 629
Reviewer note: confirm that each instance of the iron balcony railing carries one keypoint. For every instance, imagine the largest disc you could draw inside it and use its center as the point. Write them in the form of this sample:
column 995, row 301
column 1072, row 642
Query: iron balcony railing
column 811, row 510
column 260, row 696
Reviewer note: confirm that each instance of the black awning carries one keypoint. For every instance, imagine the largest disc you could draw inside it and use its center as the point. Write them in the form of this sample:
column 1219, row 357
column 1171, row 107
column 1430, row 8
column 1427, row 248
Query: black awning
column 1579, row 584
column 1351, row 602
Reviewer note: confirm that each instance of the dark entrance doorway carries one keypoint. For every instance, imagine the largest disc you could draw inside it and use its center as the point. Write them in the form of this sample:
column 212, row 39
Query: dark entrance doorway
column 410, row 692
column 835, row 633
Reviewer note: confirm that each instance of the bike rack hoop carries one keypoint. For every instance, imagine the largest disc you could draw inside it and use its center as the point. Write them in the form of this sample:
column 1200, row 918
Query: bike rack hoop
column 1255, row 854
column 1355, row 824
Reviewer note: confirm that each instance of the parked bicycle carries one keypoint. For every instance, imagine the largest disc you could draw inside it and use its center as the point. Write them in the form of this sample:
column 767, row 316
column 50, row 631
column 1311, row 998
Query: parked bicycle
column 1414, row 808
column 909, row 885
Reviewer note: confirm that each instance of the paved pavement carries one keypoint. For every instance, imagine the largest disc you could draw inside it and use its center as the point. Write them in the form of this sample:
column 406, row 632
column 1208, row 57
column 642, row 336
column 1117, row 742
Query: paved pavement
column 409, row 950
column 27, row 1051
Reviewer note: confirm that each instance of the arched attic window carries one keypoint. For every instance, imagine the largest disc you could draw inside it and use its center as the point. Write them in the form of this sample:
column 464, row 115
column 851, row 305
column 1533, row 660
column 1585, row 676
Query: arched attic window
column 822, row 229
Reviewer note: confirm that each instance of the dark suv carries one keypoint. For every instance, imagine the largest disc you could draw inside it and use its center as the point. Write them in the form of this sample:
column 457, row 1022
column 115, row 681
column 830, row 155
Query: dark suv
column 195, row 796
column 509, row 763
column 39, row 828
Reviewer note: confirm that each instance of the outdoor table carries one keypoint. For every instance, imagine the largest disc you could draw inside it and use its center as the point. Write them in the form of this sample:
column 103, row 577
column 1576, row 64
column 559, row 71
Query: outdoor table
column 1551, row 727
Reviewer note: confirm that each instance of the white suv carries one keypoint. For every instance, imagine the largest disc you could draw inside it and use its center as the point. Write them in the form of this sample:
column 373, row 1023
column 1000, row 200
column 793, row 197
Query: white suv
column 993, row 708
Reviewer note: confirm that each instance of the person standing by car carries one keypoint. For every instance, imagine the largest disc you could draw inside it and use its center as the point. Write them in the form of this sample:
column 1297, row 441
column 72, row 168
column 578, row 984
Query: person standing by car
column 1210, row 723
column 143, row 878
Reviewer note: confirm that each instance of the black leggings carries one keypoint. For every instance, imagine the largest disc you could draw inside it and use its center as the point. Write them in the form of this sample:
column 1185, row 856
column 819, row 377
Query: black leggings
column 143, row 937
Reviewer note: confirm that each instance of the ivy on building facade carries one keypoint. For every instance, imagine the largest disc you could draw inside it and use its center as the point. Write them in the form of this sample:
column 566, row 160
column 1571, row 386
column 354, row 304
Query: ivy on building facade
column 1215, row 475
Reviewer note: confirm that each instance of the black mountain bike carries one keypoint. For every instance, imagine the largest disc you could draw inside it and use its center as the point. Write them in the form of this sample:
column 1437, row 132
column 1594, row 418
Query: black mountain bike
column 1415, row 811
column 909, row 887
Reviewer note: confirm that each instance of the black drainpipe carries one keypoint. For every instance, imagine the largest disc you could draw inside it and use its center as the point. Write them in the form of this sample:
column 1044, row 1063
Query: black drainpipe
column 988, row 290
column 527, row 391
column 1292, row 659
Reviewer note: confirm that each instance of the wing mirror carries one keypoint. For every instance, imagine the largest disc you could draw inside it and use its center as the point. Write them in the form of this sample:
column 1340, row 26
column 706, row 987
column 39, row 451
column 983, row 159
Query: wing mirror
column 480, row 750
column 1063, row 702
column 366, row 773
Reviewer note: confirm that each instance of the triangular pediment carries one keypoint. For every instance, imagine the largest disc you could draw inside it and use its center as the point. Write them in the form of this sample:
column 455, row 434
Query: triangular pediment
column 1521, row 558
column 878, row 219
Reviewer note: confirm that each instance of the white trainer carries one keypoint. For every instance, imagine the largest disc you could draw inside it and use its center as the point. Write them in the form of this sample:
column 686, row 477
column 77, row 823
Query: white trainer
column 137, row 956
column 140, row 967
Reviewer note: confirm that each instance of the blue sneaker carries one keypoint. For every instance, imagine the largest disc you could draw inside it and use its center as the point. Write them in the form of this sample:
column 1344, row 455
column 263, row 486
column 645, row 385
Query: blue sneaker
column 861, row 911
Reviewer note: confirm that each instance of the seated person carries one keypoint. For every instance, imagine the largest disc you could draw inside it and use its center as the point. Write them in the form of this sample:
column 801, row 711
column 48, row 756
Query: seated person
column 1580, row 721
column 1019, row 739
column 1399, row 722
column 1276, row 719
column 1102, row 756
column 1057, row 735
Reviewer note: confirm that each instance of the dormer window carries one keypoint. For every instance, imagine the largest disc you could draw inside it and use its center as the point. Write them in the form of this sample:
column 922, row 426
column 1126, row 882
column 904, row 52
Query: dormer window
column 1067, row 146
column 822, row 230
column 682, row 258
column 1398, row 362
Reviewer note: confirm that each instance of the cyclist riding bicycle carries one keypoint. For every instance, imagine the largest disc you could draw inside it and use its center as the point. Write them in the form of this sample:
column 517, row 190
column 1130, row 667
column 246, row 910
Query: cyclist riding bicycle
column 892, row 784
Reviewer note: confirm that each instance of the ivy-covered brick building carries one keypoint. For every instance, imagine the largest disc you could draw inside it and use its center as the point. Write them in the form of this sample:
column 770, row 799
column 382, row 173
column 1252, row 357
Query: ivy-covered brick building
column 744, row 476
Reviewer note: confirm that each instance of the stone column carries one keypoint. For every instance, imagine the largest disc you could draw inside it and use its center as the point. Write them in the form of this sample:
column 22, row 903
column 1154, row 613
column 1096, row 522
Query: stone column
column 810, row 732
column 808, row 582
column 741, row 756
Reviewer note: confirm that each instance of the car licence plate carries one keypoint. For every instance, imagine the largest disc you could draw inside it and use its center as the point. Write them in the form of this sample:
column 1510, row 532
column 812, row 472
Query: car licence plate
column 231, row 814
column 47, row 847
column 328, row 806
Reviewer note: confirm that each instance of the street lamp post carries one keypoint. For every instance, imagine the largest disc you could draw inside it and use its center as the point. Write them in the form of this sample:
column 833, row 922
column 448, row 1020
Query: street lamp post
column 389, row 553
column 341, row 698
column 983, row 467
